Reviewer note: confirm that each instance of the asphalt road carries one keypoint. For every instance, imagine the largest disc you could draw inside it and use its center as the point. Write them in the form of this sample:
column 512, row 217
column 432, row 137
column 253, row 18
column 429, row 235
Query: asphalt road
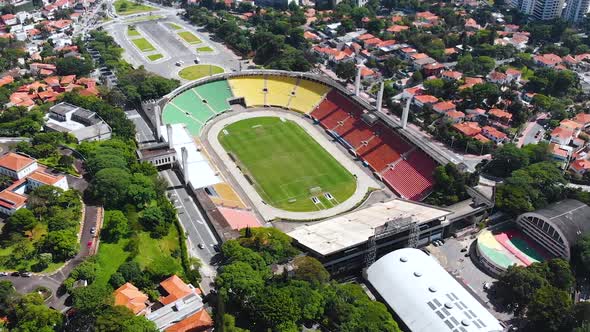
column 171, row 46
column 53, row 281
column 144, row 134
column 196, row 227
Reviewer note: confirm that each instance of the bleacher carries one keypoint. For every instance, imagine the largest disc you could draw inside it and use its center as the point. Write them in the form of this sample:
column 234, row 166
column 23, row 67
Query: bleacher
column 249, row 87
column 216, row 93
column 412, row 178
column 279, row 90
column 308, row 95
column 196, row 106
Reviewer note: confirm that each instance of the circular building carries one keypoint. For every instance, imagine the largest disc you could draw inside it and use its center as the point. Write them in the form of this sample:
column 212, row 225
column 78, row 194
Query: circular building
column 557, row 227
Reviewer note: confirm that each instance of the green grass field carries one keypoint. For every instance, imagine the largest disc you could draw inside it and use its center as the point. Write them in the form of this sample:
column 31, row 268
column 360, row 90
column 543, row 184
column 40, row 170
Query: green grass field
column 131, row 32
column 155, row 57
column 205, row 49
column 189, row 37
column 143, row 18
column 143, row 44
column 125, row 7
column 197, row 71
column 288, row 167
column 174, row 26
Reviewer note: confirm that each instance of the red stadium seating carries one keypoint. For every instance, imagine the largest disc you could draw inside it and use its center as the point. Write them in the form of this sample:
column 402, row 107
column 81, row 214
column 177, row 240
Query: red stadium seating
column 378, row 146
column 412, row 178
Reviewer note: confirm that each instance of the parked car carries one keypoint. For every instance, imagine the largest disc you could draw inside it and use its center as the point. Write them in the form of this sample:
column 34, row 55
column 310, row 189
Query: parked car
column 201, row 246
column 92, row 230
column 26, row 274
column 15, row 274
column 216, row 248
column 89, row 244
column 3, row 274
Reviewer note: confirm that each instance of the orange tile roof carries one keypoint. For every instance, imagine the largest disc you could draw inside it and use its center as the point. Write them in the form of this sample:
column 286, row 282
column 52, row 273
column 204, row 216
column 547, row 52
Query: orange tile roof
column 176, row 289
column 455, row 114
column 365, row 36
column 130, row 297
column 582, row 118
column 452, row 74
column 481, row 138
column 11, row 200
column 397, row 28
column 65, row 80
column 494, row 132
column 444, row 106
column 425, row 99
column 6, row 80
column 199, row 321
column 562, row 132
column 581, row 164
column 500, row 114
column 45, row 178
column 14, row 161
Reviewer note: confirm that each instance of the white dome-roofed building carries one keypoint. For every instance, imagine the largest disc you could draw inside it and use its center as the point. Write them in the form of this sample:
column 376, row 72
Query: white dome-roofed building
column 426, row 297
column 558, row 226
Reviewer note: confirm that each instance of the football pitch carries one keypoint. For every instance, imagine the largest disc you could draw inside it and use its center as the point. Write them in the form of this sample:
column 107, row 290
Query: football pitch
column 288, row 168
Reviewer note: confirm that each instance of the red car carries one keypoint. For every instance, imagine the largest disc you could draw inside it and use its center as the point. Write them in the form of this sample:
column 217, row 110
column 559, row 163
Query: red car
column 89, row 244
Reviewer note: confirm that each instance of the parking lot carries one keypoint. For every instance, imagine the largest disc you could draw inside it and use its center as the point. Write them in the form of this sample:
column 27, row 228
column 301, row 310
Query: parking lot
column 455, row 255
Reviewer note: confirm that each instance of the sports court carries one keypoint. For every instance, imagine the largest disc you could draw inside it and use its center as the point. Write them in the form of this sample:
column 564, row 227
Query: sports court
column 288, row 168
column 510, row 247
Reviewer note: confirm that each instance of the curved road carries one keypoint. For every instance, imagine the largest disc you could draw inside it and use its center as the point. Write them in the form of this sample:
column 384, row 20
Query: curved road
column 53, row 281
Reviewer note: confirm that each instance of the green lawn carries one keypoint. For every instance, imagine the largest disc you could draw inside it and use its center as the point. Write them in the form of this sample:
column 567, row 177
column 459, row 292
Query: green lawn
column 287, row 166
column 189, row 37
column 174, row 26
column 155, row 57
column 110, row 256
column 156, row 254
column 143, row 44
column 125, row 7
column 131, row 32
column 205, row 49
column 197, row 71
column 144, row 18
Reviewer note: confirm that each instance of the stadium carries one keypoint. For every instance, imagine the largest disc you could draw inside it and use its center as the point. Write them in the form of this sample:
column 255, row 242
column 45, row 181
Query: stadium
column 264, row 146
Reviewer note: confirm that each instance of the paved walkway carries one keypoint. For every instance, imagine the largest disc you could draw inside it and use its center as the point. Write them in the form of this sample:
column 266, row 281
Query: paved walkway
column 364, row 181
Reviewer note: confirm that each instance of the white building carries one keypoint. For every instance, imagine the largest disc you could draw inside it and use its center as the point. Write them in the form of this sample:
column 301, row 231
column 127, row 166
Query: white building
column 547, row 9
column 425, row 296
column 27, row 175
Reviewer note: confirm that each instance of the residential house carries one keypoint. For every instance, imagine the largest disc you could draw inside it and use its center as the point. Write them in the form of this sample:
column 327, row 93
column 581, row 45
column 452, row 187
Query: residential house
column 422, row 100
column 549, row 60
column 583, row 119
column 580, row 166
column 131, row 297
column 455, row 116
column 469, row 129
column 451, row 75
column 494, row 134
column 9, row 19
column 500, row 115
column 562, row 136
column 498, row 78
column 443, row 107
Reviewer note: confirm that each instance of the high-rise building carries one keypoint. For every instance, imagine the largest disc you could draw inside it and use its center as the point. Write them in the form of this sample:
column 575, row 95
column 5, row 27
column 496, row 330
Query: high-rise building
column 540, row 9
column 547, row 9
column 575, row 10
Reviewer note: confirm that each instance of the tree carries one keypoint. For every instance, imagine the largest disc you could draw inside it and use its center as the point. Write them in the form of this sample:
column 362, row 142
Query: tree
column 116, row 226
column 73, row 66
column 275, row 306
column 346, row 70
column 110, row 186
column 31, row 314
column 62, row 244
column 239, row 280
column 550, row 310
column 7, row 295
column 152, row 219
column 20, row 221
column 581, row 257
column 516, row 286
column 91, row 299
column 233, row 251
column 142, row 190
column 119, row 318
column 310, row 269
column 507, row 159
column 270, row 243
column 229, row 324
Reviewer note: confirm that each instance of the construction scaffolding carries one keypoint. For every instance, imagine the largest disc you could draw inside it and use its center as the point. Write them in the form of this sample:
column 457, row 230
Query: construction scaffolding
column 394, row 226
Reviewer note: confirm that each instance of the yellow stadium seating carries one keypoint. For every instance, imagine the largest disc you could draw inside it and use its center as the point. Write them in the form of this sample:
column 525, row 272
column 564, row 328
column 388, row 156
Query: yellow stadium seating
column 227, row 196
column 308, row 95
column 249, row 87
column 279, row 90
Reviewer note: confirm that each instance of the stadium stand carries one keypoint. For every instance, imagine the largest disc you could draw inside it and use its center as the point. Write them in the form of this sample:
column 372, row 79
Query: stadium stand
column 412, row 177
column 223, row 194
column 279, row 90
column 359, row 133
column 174, row 115
column 308, row 95
column 216, row 93
column 249, row 87
column 196, row 106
